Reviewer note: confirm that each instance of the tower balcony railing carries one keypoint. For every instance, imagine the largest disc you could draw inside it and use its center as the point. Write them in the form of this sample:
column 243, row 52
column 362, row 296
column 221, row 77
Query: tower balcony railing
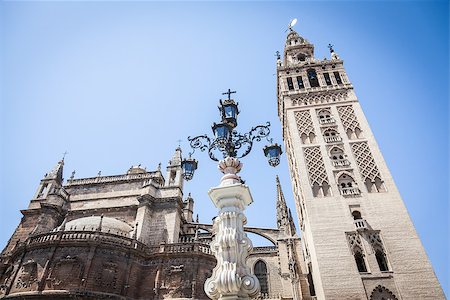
column 361, row 224
column 350, row 191
column 326, row 121
column 333, row 138
column 340, row 162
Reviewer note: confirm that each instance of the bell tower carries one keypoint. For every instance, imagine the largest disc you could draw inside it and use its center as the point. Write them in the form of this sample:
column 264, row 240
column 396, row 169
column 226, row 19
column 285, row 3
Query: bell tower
column 358, row 239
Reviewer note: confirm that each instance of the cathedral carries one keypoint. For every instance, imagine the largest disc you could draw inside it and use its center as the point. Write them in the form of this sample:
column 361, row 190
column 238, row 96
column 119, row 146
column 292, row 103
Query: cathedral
column 134, row 235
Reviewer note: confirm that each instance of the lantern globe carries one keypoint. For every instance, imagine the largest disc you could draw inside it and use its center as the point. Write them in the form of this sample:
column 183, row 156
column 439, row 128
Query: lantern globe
column 273, row 153
column 189, row 165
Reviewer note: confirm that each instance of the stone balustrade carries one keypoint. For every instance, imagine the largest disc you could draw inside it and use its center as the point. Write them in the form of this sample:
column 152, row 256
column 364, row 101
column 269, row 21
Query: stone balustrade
column 340, row 162
column 326, row 121
column 349, row 191
column 107, row 179
column 108, row 238
column 264, row 249
column 333, row 138
column 360, row 224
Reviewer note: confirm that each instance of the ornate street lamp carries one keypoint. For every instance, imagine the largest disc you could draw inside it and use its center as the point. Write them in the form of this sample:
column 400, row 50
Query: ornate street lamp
column 273, row 153
column 231, row 278
column 189, row 165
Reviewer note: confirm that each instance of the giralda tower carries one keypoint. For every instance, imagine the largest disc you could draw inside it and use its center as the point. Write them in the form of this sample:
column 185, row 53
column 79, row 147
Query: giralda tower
column 359, row 241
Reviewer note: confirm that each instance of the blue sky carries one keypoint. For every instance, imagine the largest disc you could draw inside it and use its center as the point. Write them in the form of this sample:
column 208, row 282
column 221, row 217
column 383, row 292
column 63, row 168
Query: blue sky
column 118, row 83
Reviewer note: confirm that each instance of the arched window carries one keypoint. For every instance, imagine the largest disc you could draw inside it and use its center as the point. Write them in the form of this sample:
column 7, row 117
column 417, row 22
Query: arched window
column 356, row 215
column 325, row 116
column 312, row 77
column 347, row 185
column 338, row 157
column 261, row 274
column 381, row 260
column 359, row 259
column 331, row 135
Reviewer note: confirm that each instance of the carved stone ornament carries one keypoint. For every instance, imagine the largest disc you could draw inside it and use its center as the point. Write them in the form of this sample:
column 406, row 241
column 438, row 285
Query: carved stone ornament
column 231, row 278
column 230, row 166
column 66, row 273
column 107, row 276
column 28, row 275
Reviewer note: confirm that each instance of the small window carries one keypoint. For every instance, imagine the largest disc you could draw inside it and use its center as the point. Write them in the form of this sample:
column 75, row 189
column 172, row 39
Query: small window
column 290, row 83
column 327, row 78
column 312, row 77
column 359, row 259
column 338, row 77
column 300, row 82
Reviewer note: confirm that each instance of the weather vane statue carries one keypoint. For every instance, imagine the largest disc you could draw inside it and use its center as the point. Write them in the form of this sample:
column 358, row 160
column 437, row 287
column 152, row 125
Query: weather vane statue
column 231, row 278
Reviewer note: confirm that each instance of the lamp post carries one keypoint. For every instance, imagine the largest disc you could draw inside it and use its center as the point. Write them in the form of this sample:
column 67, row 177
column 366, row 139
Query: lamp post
column 231, row 278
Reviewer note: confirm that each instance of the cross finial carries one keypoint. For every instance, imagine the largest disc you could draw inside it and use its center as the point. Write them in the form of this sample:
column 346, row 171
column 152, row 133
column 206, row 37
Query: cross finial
column 179, row 143
column 331, row 48
column 277, row 54
column 99, row 173
column 64, row 155
column 229, row 92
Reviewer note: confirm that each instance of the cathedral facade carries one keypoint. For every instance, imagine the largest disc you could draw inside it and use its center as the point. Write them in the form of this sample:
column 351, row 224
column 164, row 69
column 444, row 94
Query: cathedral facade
column 134, row 235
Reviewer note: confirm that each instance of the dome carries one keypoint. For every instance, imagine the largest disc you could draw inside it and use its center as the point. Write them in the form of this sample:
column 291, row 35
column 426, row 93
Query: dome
column 109, row 225
column 136, row 170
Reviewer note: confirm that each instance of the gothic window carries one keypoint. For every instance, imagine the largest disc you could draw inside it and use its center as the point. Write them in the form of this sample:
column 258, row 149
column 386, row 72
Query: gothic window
column 337, row 77
column 331, row 135
column 43, row 190
column 300, row 82
column 312, row 77
column 325, row 116
column 338, row 157
column 359, row 259
column 382, row 293
column 261, row 274
column 381, row 260
column 290, row 83
column 347, row 185
column 327, row 78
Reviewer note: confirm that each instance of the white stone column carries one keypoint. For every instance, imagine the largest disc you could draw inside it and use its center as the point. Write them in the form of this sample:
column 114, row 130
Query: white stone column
column 231, row 278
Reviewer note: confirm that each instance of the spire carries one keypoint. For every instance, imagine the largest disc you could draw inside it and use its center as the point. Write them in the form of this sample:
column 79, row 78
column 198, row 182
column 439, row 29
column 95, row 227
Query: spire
column 176, row 158
column 282, row 210
column 297, row 50
column 57, row 172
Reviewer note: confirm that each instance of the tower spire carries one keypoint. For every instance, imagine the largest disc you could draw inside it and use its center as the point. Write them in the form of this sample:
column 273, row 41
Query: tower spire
column 282, row 210
column 57, row 172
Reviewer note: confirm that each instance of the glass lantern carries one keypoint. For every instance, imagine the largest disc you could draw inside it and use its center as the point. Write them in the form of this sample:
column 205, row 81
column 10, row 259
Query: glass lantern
column 273, row 153
column 189, row 165
column 229, row 111
column 222, row 133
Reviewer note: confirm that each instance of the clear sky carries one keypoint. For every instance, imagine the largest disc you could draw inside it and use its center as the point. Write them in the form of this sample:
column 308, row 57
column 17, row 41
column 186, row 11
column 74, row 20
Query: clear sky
column 118, row 83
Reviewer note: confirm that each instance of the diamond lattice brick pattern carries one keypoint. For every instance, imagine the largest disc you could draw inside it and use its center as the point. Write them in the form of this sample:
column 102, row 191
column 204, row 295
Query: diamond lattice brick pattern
column 304, row 122
column 354, row 240
column 365, row 161
column 316, row 167
column 348, row 117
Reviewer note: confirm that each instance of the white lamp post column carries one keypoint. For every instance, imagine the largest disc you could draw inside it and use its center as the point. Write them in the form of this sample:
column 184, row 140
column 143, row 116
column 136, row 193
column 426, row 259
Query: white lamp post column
column 231, row 278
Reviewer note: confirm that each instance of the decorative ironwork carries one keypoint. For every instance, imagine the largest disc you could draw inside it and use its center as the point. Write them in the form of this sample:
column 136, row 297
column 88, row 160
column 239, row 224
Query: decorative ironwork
column 227, row 141
column 237, row 145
